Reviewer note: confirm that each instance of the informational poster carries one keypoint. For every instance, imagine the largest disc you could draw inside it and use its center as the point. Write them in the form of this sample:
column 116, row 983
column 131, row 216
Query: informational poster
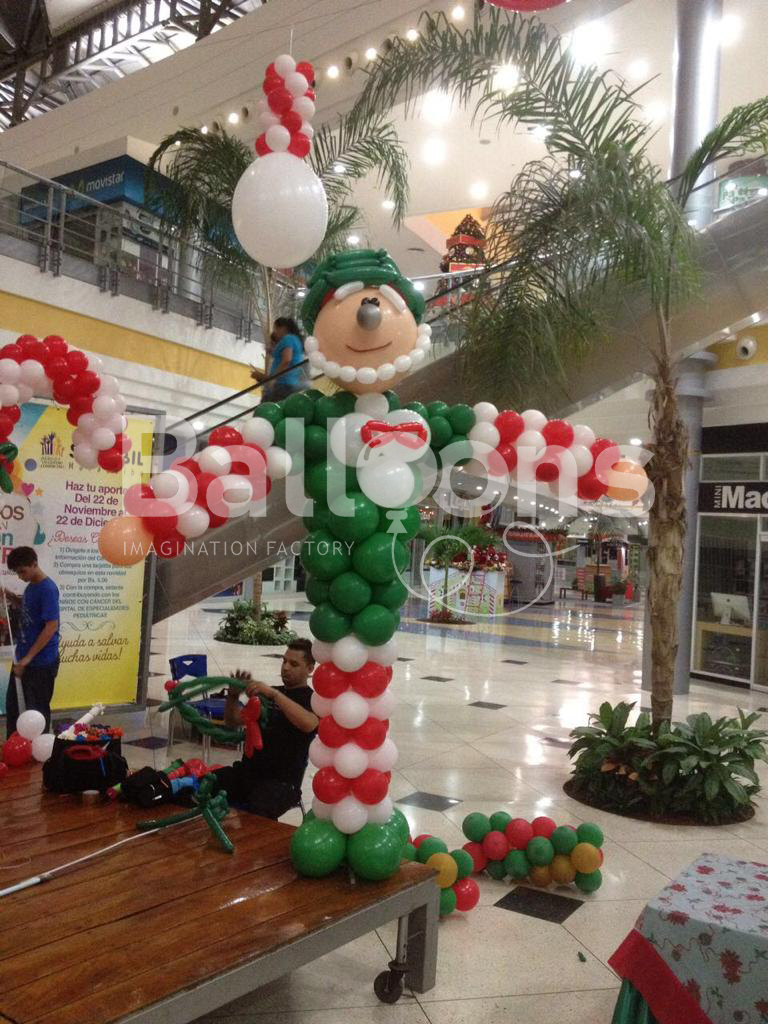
column 58, row 508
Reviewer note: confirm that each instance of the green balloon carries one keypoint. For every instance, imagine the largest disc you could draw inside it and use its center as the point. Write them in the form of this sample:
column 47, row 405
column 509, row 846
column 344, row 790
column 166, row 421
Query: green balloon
column 269, row 411
column 327, row 480
column 326, row 408
column 393, row 399
column 437, row 409
column 314, row 394
column 374, row 625
column 315, row 443
column 379, row 558
column 320, row 518
column 361, row 524
column 297, row 464
column 317, row 848
column 499, row 821
column 440, row 430
column 317, row 590
column 447, row 902
column 399, row 823
column 429, row 846
column 350, row 593
column 407, row 527
column 476, row 826
column 590, row 882
column 464, row 452
column 418, row 407
column 564, row 839
column 516, row 864
column 281, row 430
column 409, row 852
column 299, row 406
column 464, row 863
column 392, row 595
column 328, row 624
column 589, row 833
column 496, row 869
column 461, row 418
column 374, row 852
column 346, row 401
column 323, row 556
column 540, row 851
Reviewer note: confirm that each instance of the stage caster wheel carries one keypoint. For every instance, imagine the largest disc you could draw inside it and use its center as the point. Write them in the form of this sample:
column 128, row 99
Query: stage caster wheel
column 388, row 986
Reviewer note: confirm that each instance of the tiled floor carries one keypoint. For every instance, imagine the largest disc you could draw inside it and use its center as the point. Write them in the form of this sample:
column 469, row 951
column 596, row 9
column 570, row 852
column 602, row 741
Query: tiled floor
column 489, row 737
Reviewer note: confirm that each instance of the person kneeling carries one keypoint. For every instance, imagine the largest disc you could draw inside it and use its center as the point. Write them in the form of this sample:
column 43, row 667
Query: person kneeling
column 269, row 782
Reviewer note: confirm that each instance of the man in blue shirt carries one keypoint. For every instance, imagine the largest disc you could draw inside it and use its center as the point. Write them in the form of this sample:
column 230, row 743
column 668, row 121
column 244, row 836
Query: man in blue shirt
column 37, row 646
column 287, row 351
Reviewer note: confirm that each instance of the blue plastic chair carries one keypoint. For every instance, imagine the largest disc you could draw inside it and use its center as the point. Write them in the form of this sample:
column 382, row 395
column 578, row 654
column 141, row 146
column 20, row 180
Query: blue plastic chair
column 196, row 666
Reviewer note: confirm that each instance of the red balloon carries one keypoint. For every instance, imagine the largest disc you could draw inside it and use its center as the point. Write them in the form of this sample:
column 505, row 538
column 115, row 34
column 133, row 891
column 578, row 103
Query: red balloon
column 56, row 368
column 311, row 94
column 76, row 361
column 589, row 488
column 467, row 894
column 55, row 345
column 280, row 100
column 329, row 681
column 519, row 833
column 215, row 520
column 476, row 852
column 543, row 826
column 549, row 469
column 371, row 734
column 17, row 751
column 509, row 425
column 495, row 845
column 111, row 460
column 87, row 382
column 371, row 680
column 261, row 146
column 36, row 350
column 24, row 343
column 558, row 432
column 204, row 480
column 170, row 545
column 6, row 426
column 601, row 446
column 248, row 469
column 331, row 733
column 602, row 856
column 12, row 411
column 189, row 464
column 123, row 444
column 420, row 839
column 370, row 787
column 508, row 452
column 292, row 121
column 299, row 145
column 159, row 518
column 78, row 407
column 306, row 69
column 329, row 786
column 11, row 352
column 225, row 436
column 135, row 498
column 65, row 389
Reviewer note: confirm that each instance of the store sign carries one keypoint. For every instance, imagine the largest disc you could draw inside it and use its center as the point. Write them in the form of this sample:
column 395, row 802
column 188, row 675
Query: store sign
column 746, row 498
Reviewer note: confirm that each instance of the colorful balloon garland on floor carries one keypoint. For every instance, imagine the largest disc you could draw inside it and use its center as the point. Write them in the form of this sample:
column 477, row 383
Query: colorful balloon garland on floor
column 457, row 890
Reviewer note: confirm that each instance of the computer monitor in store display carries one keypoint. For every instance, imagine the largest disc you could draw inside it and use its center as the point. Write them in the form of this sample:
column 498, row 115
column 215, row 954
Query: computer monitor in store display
column 731, row 608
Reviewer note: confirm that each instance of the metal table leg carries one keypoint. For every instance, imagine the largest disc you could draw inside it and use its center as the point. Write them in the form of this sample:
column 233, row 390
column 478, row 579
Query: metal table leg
column 415, row 962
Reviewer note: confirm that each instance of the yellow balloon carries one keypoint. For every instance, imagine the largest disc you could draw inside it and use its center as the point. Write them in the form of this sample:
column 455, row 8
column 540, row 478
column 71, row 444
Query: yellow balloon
column 124, row 540
column 585, row 858
column 446, row 868
column 561, row 869
column 540, row 875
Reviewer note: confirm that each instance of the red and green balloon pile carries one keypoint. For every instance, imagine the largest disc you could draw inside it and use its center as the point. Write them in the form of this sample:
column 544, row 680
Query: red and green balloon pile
column 457, row 890
column 539, row 850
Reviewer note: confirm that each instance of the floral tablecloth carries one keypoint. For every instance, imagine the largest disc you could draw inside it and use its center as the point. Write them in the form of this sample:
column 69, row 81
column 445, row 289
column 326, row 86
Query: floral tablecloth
column 698, row 953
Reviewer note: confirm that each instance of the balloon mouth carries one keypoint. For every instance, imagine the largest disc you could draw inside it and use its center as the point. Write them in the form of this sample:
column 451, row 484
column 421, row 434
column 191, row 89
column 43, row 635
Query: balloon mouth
column 367, row 349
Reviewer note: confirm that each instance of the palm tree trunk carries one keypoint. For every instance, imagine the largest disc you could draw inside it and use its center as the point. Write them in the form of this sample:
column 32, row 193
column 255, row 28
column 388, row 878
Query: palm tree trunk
column 257, row 593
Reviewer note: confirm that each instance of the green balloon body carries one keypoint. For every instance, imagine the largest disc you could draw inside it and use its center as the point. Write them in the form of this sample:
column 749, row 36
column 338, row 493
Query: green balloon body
column 374, row 852
column 441, row 431
column 447, row 902
column 399, row 823
column 392, row 595
column 374, row 625
column 328, row 480
column 418, row 407
column 349, row 592
column 317, row 848
column 315, row 443
column 323, row 556
column 564, row 839
column 463, row 452
column 590, row 882
column 320, row 518
column 299, row 406
column 464, row 863
column 361, row 524
column 317, row 590
column 393, row 399
column 333, row 407
column 540, row 851
column 408, row 526
column 314, row 394
column 496, row 869
column 461, row 419
column 516, row 864
column 499, row 821
column 409, row 852
column 429, row 846
column 379, row 558
column 590, row 833
column 437, row 409
column 476, row 826
column 269, row 411
column 328, row 624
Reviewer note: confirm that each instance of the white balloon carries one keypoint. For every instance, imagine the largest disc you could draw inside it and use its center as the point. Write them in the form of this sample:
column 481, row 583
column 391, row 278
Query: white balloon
column 296, row 84
column 375, row 406
column 379, row 814
column 307, row 129
column 348, row 654
column 105, row 408
column 384, row 758
column 25, row 392
column 583, row 435
column 583, row 458
column 349, row 709
column 32, row 373
column 485, row 412
column 9, row 395
column 350, row 760
column 278, row 138
column 171, row 486
column 95, row 364
column 30, row 724
column 320, row 755
column 322, row 810
column 42, row 746
column 10, row 371
column 194, row 522
column 45, row 388
column 121, row 403
column 534, row 420
column 268, row 118
column 366, row 375
column 80, row 436
column 387, row 483
column 86, row 456
column 280, row 210
column 407, row 454
column 108, row 386
column 344, row 439
column 230, row 495
column 285, row 65
column 304, row 107
column 349, row 815
column 116, row 423
column 531, row 439
column 322, row 652
column 279, row 463
column 383, row 706
column 384, row 654
column 347, row 373
column 87, row 423
column 485, row 433
column 259, row 431
column 321, row 705
column 102, row 438
column 215, row 459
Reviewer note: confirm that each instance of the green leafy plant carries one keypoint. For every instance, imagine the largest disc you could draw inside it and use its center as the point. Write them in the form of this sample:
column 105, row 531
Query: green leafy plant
column 610, row 755
column 248, row 623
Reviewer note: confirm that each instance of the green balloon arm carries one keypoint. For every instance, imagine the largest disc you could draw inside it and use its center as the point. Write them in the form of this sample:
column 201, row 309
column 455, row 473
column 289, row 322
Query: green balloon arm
column 190, row 688
column 6, row 484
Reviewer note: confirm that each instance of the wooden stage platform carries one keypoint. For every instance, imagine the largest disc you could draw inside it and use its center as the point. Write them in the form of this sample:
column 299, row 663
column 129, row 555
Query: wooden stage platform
column 170, row 927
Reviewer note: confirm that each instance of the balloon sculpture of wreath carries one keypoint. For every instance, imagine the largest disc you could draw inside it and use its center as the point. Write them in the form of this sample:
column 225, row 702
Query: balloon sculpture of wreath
column 255, row 714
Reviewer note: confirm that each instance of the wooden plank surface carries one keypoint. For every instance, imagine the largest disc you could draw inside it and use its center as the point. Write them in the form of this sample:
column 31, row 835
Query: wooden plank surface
column 158, row 916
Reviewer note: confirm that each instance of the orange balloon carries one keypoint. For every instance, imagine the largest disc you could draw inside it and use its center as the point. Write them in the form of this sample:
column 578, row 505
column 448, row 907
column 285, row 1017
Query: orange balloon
column 124, row 540
column 540, row 875
column 562, row 870
column 585, row 858
column 446, row 868
column 621, row 487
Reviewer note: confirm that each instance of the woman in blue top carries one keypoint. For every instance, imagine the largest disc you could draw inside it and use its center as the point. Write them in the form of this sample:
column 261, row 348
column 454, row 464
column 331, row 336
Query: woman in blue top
column 287, row 353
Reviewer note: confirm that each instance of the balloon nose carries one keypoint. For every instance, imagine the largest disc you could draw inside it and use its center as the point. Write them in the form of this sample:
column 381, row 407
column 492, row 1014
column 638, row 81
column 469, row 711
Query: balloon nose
column 369, row 315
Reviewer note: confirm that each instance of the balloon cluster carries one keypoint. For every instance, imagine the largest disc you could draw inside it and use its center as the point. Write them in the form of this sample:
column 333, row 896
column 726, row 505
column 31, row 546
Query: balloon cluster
column 50, row 368
column 537, row 850
column 30, row 740
column 374, row 852
column 231, row 474
column 288, row 109
column 457, row 890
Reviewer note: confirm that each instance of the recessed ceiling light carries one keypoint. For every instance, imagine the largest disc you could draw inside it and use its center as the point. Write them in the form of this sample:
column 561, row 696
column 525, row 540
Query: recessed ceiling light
column 419, row 286
column 371, row 53
column 729, row 30
column 574, row 173
column 434, row 151
column 198, row 425
column 388, row 204
column 204, row 130
column 762, row 192
column 177, row 142
column 353, row 239
column 506, row 77
column 301, row 292
column 339, row 168
column 540, row 131
column 458, row 13
column 233, row 117
column 333, row 71
column 412, row 35
column 639, row 69
column 478, row 189
column 436, row 107
column 590, row 43
column 692, row 222
column 635, row 440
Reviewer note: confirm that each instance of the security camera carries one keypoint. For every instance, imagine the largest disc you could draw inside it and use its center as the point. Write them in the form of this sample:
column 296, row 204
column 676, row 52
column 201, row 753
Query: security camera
column 746, row 348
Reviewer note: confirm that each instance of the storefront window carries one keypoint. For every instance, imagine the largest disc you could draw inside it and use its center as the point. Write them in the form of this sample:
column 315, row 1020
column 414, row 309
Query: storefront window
column 731, row 467
column 722, row 640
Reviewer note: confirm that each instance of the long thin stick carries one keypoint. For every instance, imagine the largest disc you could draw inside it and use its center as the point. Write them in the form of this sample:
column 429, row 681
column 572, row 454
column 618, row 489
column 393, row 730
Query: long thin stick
column 22, row 704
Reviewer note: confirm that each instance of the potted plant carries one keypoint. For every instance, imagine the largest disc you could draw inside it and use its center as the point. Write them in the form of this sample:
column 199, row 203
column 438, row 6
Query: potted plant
column 618, row 592
column 247, row 622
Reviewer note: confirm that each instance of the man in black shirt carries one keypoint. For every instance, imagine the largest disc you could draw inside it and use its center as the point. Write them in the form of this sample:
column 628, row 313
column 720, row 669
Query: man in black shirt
column 269, row 782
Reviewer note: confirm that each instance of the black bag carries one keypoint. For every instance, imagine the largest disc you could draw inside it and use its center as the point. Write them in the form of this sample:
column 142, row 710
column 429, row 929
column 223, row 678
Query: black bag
column 146, row 787
column 75, row 767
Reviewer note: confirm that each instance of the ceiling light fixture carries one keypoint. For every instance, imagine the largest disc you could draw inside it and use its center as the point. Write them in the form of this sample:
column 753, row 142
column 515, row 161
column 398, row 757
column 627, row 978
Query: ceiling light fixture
column 506, row 77
column 540, row 131
column 339, row 168
column 762, row 192
column 729, row 29
column 434, row 151
column 590, row 43
column 436, row 107
column 204, row 130
column 353, row 239
column 198, row 425
column 458, row 13
column 371, row 53
column 574, row 173
column 419, row 286
column 233, row 117
column 478, row 189
column 730, row 186
column 388, row 204
column 412, row 35
column 333, row 71
column 635, row 440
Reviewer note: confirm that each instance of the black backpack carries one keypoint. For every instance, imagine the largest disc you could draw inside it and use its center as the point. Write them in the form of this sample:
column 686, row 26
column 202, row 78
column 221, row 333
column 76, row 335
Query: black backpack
column 75, row 767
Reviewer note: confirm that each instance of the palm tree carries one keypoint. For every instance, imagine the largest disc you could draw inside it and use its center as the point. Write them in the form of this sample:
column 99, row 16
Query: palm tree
column 574, row 231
